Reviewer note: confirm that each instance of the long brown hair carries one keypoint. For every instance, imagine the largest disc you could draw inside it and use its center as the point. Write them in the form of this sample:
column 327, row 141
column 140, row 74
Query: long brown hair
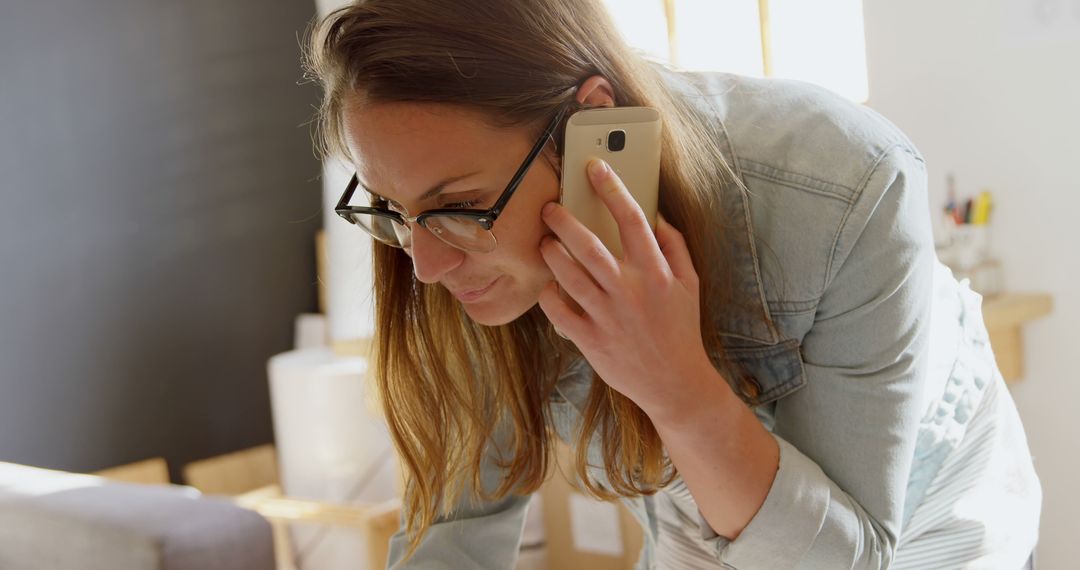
column 445, row 382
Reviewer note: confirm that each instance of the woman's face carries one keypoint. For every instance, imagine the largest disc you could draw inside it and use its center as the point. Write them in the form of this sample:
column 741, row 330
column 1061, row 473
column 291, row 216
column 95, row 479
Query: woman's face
column 403, row 150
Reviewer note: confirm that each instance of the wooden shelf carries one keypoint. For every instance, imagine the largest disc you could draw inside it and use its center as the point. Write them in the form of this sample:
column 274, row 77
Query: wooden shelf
column 353, row 347
column 1005, row 315
column 377, row 522
column 272, row 504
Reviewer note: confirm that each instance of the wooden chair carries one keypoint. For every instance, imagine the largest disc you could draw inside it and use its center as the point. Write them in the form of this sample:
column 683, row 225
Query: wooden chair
column 250, row 478
column 152, row 471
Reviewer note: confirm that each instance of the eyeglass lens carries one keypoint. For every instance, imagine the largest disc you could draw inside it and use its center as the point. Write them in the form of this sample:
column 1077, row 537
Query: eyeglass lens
column 462, row 232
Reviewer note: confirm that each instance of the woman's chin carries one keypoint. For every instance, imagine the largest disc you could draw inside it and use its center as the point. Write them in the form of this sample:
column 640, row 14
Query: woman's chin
column 492, row 313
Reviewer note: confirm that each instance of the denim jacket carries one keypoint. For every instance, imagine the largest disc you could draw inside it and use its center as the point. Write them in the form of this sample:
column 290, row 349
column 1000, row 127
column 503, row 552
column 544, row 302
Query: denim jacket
column 834, row 265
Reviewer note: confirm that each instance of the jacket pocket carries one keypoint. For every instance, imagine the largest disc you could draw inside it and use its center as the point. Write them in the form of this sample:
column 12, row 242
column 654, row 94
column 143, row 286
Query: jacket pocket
column 774, row 371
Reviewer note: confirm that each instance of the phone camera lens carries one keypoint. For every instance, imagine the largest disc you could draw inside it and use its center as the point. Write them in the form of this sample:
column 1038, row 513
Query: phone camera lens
column 616, row 140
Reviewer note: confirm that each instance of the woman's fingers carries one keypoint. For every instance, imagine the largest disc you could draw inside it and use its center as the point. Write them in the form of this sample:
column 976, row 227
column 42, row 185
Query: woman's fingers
column 570, row 274
column 638, row 242
column 582, row 245
column 567, row 322
column 673, row 246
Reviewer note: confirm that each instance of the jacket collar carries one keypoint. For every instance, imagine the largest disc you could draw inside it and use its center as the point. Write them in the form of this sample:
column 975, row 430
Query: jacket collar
column 748, row 318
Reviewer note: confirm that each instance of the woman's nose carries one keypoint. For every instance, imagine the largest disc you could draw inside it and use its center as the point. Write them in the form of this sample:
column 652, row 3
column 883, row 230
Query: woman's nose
column 432, row 257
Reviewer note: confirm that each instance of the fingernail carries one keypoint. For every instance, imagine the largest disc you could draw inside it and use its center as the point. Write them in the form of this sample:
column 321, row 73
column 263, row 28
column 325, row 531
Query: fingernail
column 548, row 208
column 597, row 167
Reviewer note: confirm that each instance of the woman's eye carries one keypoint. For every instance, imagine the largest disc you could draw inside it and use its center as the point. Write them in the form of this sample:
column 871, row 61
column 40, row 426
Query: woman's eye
column 462, row 205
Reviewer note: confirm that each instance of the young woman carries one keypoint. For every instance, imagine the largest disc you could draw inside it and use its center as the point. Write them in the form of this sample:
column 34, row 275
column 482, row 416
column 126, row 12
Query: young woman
column 780, row 376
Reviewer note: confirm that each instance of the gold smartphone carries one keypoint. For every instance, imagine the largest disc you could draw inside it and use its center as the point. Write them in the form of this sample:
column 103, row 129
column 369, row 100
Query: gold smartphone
column 628, row 139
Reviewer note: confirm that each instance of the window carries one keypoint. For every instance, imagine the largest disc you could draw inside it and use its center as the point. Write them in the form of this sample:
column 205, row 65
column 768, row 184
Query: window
column 821, row 42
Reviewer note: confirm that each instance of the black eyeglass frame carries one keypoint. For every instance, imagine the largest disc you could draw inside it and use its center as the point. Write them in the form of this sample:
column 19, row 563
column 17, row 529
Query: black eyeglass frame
column 485, row 218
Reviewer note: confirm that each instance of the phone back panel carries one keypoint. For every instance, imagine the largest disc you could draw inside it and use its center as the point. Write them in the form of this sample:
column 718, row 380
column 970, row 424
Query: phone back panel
column 637, row 164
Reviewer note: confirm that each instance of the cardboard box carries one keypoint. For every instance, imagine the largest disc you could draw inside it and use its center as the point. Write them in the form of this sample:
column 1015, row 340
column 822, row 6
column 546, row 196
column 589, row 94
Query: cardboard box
column 582, row 532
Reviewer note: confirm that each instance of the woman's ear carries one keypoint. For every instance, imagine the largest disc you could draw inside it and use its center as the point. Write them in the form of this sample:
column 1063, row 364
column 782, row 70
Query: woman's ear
column 596, row 92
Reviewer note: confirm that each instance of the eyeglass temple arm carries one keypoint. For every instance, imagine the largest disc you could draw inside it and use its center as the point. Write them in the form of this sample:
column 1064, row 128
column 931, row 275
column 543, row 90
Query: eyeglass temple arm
column 343, row 202
column 527, row 163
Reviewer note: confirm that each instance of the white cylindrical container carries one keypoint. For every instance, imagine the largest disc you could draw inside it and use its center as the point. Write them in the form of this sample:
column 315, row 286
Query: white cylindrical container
column 332, row 446
column 310, row 331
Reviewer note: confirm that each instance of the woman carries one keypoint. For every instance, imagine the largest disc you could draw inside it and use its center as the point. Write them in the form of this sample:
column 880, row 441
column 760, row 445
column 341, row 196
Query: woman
column 780, row 376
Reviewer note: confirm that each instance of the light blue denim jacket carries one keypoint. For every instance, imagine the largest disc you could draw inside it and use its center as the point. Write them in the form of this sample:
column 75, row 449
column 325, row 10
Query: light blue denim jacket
column 834, row 264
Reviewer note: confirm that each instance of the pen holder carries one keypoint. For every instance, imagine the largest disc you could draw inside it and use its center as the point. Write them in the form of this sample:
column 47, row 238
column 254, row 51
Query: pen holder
column 967, row 246
column 966, row 251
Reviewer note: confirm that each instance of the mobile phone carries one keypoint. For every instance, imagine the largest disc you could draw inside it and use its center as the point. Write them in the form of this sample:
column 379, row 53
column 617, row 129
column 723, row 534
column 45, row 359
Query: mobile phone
column 628, row 139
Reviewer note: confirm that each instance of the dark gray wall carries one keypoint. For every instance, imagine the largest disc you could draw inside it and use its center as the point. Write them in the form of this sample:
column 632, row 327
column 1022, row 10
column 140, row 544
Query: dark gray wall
column 158, row 202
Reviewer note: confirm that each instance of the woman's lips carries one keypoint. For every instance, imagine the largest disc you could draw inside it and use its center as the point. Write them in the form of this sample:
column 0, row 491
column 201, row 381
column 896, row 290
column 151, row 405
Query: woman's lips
column 475, row 294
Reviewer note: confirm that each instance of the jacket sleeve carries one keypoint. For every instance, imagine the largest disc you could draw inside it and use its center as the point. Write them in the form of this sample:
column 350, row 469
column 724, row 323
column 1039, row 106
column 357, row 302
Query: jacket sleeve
column 847, row 437
column 476, row 534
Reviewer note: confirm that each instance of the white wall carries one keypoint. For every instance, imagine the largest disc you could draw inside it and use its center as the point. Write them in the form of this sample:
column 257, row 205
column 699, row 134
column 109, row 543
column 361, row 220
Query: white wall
column 990, row 90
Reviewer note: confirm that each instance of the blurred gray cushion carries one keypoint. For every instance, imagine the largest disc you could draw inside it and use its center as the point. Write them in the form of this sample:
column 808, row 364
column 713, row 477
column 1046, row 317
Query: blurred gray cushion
column 52, row 520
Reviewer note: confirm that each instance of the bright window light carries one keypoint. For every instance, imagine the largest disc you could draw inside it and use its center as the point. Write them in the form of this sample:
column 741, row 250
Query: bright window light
column 821, row 42
column 719, row 35
column 643, row 25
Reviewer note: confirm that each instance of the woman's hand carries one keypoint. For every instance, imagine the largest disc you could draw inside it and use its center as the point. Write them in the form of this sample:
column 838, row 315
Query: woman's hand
column 640, row 329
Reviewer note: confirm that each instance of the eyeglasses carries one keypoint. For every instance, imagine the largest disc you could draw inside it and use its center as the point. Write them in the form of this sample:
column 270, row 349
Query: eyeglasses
column 465, row 229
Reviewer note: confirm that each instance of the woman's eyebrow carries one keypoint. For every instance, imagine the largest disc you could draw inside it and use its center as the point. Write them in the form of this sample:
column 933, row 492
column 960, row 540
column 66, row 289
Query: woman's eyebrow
column 434, row 191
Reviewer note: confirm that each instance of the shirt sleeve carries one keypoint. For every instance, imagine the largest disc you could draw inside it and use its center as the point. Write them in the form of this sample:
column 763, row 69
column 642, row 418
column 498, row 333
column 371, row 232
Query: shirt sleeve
column 476, row 533
column 847, row 438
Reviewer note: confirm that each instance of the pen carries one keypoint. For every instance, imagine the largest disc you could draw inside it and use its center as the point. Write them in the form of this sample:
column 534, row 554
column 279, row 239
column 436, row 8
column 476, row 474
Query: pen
column 983, row 205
